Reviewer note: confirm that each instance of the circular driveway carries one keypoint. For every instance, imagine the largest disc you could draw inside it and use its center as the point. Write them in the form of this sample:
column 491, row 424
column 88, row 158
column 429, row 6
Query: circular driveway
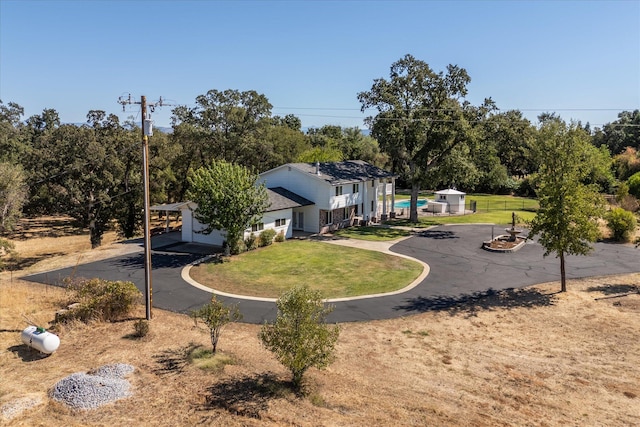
column 459, row 269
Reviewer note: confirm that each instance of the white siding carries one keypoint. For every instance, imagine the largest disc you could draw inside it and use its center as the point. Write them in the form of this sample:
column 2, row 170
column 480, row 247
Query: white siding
column 269, row 219
column 304, row 184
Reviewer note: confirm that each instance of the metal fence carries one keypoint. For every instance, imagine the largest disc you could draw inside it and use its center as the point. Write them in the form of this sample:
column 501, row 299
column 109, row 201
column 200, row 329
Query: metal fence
column 501, row 205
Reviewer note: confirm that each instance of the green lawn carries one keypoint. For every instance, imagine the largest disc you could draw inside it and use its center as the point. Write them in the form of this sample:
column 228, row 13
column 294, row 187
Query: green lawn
column 491, row 217
column 372, row 233
column 336, row 271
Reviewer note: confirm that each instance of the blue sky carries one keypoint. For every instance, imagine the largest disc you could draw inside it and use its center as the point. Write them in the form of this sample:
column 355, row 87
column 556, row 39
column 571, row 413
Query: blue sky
column 311, row 58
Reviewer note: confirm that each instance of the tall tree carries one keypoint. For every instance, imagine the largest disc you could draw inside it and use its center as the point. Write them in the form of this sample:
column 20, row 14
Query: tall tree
column 13, row 194
column 419, row 118
column 567, row 220
column 621, row 133
column 227, row 125
column 229, row 198
column 13, row 147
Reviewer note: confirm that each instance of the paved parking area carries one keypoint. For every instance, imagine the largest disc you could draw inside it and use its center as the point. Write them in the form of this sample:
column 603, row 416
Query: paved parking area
column 459, row 267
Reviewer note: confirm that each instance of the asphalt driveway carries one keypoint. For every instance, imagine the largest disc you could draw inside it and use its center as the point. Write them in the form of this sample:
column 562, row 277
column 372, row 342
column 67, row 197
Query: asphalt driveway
column 460, row 270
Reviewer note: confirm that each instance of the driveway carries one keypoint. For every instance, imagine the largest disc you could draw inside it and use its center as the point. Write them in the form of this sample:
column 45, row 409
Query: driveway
column 460, row 269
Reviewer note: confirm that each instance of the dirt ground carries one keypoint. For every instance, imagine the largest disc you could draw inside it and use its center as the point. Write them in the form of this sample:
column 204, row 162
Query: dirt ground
column 525, row 358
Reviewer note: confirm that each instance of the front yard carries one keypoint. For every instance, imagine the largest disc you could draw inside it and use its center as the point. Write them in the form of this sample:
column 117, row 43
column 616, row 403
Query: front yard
column 334, row 270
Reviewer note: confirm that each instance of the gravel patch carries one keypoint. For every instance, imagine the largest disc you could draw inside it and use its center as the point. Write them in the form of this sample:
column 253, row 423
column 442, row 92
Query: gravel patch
column 12, row 409
column 92, row 390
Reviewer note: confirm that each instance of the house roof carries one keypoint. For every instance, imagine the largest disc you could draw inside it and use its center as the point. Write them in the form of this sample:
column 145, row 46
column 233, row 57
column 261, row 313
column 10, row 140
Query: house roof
column 337, row 173
column 281, row 198
column 449, row 191
column 169, row 207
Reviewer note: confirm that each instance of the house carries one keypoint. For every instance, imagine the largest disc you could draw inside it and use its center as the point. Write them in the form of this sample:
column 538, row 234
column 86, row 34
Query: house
column 313, row 198
column 343, row 193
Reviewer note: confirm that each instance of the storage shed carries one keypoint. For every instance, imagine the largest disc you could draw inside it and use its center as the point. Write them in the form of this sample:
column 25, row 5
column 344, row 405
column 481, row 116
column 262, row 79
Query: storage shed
column 453, row 198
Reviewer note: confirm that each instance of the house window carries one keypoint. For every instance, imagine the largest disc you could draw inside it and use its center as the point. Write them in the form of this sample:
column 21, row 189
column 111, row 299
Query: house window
column 356, row 188
column 257, row 227
column 345, row 213
column 373, row 184
column 372, row 206
column 339, row 190
column 329, row 217
column 281, row 222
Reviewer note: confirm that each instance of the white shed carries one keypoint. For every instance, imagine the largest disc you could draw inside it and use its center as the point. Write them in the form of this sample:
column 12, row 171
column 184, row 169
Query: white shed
column 453, row 198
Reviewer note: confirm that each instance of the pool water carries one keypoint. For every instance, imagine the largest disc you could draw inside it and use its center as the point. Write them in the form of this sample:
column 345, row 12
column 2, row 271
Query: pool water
column 407, row 203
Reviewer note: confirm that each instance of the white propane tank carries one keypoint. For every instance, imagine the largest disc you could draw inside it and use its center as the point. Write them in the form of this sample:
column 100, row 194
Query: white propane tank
column 41, row 340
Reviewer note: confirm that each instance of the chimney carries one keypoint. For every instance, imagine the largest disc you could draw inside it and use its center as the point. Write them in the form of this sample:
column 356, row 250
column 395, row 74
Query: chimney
column 317, row 168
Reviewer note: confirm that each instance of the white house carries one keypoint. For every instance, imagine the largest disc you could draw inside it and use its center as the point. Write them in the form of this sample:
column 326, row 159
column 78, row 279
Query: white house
column 314, row 198
column 342, row 193
column 277, row 217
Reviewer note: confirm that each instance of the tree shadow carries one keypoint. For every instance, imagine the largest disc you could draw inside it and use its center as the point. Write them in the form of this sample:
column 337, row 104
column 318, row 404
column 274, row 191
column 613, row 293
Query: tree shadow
column 614, row 289
column 438, row 234
column 16, row 262
column 470, row 304
column 158, row 260
column 27, row 354
column 173, row 361
column 248, row 396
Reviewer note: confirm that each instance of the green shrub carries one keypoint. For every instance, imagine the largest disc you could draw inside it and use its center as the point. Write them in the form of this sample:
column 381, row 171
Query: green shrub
column 280, row 237
column 216, row 315
column 622, row 224
column 141, row 328
column 266, row 237
column 622, row 191
column 634, row 185
column 300, row 337
column 99, row 299
column 251, row 242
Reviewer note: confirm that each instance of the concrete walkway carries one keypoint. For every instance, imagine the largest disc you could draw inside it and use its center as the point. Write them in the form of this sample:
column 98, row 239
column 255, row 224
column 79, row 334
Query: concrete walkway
column 458, row 269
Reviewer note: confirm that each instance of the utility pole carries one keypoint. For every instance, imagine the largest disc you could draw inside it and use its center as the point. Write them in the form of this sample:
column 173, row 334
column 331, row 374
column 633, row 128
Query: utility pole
column 146, row 132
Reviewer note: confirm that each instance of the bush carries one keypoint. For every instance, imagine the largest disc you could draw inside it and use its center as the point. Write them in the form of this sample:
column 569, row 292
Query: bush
column 622, row 224
column 526, row 188
column 280, row 237
column 215, row 315
column 99, row 299
column 266, row 237
column 251, row 242
column 141, row 328
column 634, row 185
column 300, row 337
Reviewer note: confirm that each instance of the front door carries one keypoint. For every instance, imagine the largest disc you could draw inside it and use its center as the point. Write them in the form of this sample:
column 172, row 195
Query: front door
column 298, row 220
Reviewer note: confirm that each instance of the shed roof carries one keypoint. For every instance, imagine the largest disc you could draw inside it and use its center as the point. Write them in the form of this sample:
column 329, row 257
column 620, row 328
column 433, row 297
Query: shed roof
column 450, row 191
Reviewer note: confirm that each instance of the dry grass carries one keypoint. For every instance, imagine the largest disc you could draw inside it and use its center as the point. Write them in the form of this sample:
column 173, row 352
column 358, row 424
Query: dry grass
column 539, row 358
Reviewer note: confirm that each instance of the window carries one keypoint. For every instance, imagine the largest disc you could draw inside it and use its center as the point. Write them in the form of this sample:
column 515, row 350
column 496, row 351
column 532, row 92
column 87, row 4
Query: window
column 257, row 227
column 356, row 188
column 281, row 222
column 345, row 213
column 329, row 217
column 373, row 184
column 372, row 206
column 339, row 190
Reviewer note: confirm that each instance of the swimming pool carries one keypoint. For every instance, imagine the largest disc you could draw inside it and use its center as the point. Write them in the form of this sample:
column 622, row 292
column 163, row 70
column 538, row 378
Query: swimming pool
column 407, row 203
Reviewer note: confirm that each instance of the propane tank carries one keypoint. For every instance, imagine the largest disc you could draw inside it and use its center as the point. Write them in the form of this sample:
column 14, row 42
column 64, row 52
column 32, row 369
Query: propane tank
column 40, row 339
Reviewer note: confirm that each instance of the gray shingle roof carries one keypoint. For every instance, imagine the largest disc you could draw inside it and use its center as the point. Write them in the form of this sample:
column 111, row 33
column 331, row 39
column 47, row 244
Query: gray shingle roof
column 349, row 171
column 281, row 198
